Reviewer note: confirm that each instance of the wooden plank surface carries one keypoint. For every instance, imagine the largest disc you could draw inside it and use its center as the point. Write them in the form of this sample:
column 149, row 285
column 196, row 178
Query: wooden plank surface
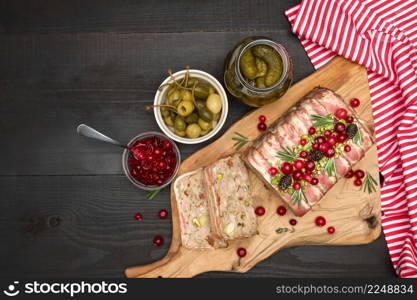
column 99, row 62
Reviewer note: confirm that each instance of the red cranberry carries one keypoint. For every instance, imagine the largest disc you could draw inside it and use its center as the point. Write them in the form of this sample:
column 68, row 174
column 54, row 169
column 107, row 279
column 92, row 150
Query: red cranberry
column 293, row 222
column 138, row 217
column 303, row 154
column 262, row 119
column 297, row 175
column 332, row 140
column 303, row 142
column 315, row 146
column 311, row 130
column 158, row 241
column 320, row 140
column 163, row 214
column 307, row 177
column 298, row 164
column 323, row 147
column 355, row 102
column 341, row 137
column 241, row 252
column 260, row 211
column 261, row 126
column 320, row 221
column 347, row 148
column 160, row 182
column 171, row 160
column 357, row 182
column 314, row 181
column 157, row 152
column 310, row 165
column 162, row 165
column 281, row 210
column 349, row 119
column 339, row 127
column 330, row 152
column 296, row 186
column 327, row 133
column 331, row 230
column 273, row 171
column 359, row 174
column 286, row 168
column 349, row 174
column 341, row 113
column 166, row 144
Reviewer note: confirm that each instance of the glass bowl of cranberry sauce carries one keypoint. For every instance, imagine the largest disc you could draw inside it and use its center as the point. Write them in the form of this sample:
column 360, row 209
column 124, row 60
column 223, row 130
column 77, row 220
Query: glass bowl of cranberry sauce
column 152, row 160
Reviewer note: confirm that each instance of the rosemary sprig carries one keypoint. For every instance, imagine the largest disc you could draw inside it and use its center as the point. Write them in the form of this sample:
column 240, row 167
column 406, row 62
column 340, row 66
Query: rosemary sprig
column 284, row 229
column 330, row 167
column 369, row 184
column 288, row 155
column 357, row 139
column 297, row 196
column 241, row 140
column 320, row 120
column 152, row 194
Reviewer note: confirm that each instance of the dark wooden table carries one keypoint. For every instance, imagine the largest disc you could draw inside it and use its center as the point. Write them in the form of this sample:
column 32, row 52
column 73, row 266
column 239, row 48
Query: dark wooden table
column 66, row 208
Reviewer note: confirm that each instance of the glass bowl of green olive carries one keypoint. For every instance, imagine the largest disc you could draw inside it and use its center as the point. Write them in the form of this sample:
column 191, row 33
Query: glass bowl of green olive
column 190, row 106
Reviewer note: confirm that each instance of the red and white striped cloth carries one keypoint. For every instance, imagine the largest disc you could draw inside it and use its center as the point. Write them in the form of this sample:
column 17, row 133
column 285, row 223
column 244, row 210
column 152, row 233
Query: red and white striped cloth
column 382, row 36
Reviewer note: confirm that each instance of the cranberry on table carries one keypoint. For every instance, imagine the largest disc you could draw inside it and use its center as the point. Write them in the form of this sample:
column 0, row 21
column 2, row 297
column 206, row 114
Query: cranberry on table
column 341, row 113
column 320, row 140
column 332, row 140
column 330, row 152
column 303, row 142
column 158, row 241
column 303, row 154
column 261, row 126
column 163, row 214
column 327, row 133
column 138, row 217
column 357, row 182
column 310, row 165
column 349, row 119
column 349, row 174
column 273, row 171
column 260, row 211
column 296, row 186
column 320, row 221
column 314, row 181
column 286, row 168
column 341, row 137
column 315, row 146
column 359, row 174
column 355, row 102
column 297, row 175
column 241, row 252
column 281, row 210
column 298, row 164
column 331, row 230
column 323, row 147
column 311, row 130
column 339, row 127
column 293, row 222
column 262, row 119
column 347, row 148
column 307, row 177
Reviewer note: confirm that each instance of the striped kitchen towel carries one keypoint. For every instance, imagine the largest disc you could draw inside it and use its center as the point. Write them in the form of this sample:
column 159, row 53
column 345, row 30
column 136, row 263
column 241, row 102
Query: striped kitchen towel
column 382, row 36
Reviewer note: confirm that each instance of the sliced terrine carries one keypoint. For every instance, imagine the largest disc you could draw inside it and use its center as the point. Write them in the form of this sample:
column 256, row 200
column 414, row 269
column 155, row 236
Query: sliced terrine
column 230, row 202
column 309, row 148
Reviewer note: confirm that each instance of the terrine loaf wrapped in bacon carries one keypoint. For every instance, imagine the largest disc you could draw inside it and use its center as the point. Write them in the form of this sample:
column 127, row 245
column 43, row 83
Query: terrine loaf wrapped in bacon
column 215, row 204
column 309, row 148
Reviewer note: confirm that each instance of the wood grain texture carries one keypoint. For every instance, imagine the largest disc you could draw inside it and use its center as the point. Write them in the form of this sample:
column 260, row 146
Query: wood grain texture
column 354, row 214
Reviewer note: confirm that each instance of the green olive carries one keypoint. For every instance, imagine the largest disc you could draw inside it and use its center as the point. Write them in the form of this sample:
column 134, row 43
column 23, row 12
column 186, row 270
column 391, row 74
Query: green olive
column 261, row 66
column 164, row 111
column 205, row 114
column 185, row 108
column 187, row 96
column 192, row 81
column 168, row 120
column 204, row 132
column 204, row 125
column 179, row 123
column 193, row 118
column 212, row 90
column 202, row 90
column 173, row 95
column 248, row 65
column 193, row 131
column 214, row 103
column 260, row 83
column 216, row 117
column 272, row 59
column 180, row 133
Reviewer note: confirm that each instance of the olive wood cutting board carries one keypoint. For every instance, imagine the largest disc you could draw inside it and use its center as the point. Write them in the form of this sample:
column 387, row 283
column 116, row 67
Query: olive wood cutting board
column 354, row 214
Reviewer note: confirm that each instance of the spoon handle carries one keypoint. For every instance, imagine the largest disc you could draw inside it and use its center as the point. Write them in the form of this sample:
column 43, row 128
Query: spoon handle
column 89, row 132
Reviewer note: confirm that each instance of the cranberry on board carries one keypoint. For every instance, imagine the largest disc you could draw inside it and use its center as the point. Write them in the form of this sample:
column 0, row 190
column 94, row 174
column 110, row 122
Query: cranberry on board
column 307, row 177
column 273, row 171
column 359, row 174
column 281, row 210
column 339, row 127
column 293, row 222
column 357, row 182
column 163, row 214
column 262, row 119
column 310, row 165
column 158, row 241
column 347, row 148
column 332, row 140
column 315, row 146
column 314, row 181
column 241, row 252
column 311, row 130
column 297, row 175
column 331, row 230
column 327, row 133
column 303, row 142
column 323, row 147
column 298, row 164
column 330, row 152
column 296, row 186
column 320, row 221
column 349, row 174
column 341, row 113
column 261, row 126
column 303, row 154
column 286, row 168
column 138, row 217
column 341, row 137
column 349, row 119
column 320, row 140
column 260, row 211
column 355, row 102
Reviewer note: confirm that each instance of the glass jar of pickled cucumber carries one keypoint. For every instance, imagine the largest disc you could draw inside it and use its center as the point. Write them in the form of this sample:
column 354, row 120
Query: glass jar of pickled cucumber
column 258, row 71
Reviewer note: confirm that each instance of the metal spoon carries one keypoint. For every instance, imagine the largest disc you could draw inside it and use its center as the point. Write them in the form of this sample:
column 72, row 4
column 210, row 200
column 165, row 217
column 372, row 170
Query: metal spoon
column 91, row 133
